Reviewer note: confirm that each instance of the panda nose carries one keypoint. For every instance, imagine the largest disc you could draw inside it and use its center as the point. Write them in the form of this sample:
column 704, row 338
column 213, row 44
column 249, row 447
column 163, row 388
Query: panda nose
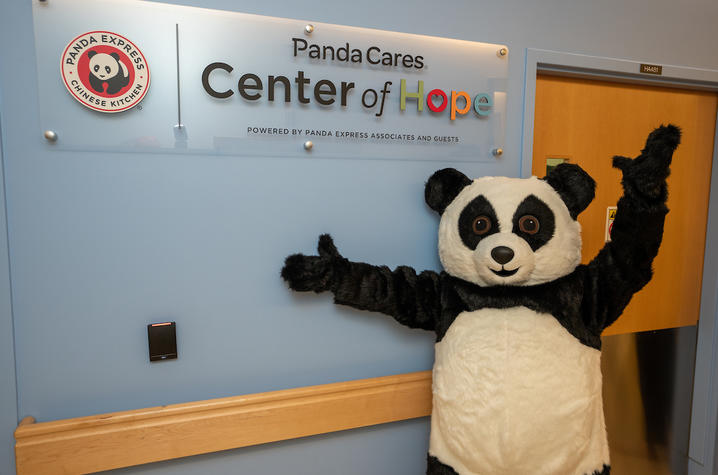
column 502, row 254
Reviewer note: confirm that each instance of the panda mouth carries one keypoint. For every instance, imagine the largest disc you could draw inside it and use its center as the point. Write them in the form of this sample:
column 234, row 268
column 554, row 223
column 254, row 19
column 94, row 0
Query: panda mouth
column 504, row 273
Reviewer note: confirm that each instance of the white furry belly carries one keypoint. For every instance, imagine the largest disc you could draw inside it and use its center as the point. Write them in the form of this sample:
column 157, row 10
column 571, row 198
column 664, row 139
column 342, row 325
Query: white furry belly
column 514, row 393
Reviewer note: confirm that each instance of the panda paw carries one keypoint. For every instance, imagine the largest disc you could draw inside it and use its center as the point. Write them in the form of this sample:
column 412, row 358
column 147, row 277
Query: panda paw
column 647, row 173
column 314, row 273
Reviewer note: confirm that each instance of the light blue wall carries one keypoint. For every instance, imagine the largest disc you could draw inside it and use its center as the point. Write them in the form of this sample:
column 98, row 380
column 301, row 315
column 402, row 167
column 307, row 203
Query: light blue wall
column 102, row 244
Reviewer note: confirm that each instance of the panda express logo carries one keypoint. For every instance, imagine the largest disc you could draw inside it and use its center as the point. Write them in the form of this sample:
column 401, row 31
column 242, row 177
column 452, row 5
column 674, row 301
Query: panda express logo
column 105, row 71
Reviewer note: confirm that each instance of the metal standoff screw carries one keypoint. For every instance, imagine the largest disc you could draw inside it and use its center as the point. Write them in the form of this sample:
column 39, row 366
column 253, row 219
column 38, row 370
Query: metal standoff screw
column 497, row 152
column 503, row 52
column 50, row 135
column 308, row 29
column 308, row 145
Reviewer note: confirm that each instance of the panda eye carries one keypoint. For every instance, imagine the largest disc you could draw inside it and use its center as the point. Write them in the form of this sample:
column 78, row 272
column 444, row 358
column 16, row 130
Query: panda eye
column 481, row 225
column 529, row 224
column 96, row 68
column 107, row 69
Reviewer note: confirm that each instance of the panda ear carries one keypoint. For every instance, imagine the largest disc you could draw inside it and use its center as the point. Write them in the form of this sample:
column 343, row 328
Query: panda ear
column 442, row 187
column 115, row 55
column 574, row 185
column 91, row 53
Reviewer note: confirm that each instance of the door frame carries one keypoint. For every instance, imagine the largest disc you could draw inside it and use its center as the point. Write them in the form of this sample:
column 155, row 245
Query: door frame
column 8, row 369
column 704, row 410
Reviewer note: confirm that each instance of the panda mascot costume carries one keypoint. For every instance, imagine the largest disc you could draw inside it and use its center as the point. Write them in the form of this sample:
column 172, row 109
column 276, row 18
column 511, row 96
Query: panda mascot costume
column 518, row 319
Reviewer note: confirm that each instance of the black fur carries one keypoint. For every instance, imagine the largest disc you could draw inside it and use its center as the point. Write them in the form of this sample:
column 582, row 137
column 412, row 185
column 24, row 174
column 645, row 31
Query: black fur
column 585, row 302
column 574, row 185
column 547, row 222
column 443, row 186
column 479, row 206
column 645, row 177
column 435, row 467
column 315, row 273
column 558, row 298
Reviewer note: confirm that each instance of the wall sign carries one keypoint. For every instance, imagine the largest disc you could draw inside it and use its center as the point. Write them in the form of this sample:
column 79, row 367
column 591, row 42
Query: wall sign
column 652, row 69
column 105, row 71
column 232, row 83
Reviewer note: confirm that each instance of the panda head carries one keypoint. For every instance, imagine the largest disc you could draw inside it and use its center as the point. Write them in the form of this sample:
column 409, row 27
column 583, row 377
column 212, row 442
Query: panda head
column 104, row 66
column 510, row 231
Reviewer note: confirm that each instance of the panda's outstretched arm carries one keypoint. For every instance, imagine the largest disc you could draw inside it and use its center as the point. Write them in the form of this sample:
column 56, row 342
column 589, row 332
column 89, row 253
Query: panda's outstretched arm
column 413, row 300
column 624, row 265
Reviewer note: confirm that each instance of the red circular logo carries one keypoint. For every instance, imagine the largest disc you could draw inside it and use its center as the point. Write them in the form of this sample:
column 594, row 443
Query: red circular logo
column 105, row 71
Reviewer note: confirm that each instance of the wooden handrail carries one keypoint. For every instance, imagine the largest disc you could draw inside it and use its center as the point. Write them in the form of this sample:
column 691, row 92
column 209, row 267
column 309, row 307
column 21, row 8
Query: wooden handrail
column 122, row 439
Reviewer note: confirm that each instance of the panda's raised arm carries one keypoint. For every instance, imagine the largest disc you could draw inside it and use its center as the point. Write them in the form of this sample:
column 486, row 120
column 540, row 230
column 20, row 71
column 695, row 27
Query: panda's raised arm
column 624, row 265
column 413, row 300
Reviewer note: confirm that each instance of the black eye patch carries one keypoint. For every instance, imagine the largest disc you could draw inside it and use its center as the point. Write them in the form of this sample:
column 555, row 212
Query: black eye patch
column 538, row 223
column 477, row 220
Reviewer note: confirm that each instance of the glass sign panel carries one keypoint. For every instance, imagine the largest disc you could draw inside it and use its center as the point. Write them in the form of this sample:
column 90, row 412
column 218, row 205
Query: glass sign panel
column 125, row 75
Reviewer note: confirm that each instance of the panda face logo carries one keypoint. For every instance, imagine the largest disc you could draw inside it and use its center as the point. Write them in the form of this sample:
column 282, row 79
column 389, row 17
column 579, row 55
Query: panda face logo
column 509, row 231
column 105, row 65
column 105, row 71
column 107, row 74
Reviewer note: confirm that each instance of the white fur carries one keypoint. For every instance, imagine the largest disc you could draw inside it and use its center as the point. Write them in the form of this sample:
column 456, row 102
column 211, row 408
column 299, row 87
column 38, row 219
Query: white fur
column 558, row 257
column 515, row 393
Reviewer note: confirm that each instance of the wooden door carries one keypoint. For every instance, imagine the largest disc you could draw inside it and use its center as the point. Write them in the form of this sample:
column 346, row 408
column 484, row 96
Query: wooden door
column 589, row 121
